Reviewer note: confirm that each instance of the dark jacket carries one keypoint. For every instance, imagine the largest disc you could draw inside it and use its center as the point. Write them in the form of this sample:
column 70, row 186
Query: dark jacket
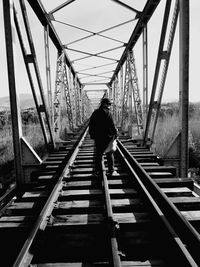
column 101, row 125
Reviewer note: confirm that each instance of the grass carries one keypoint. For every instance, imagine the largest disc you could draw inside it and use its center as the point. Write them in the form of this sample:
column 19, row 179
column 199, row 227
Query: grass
column 6, row 145
column 33, row 134
column 167, row 128
column 166, row 131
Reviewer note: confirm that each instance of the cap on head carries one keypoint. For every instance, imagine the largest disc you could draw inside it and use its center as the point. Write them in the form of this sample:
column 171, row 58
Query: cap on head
column 105, row 101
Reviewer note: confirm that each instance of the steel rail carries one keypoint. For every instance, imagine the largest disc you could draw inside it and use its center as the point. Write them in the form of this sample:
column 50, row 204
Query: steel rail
column 153, row 194
column 112, row 224
column 186, row 237
column 25, row 256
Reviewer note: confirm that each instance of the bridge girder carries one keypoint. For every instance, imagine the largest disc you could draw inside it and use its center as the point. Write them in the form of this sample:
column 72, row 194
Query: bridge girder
column 78, row 98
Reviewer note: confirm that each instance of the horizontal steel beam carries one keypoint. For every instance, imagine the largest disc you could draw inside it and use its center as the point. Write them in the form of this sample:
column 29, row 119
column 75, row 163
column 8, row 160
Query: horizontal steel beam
column 145, row 15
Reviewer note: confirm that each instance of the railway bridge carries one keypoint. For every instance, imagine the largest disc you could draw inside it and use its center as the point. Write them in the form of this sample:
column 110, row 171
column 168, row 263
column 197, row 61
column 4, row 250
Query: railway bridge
column 74, row 53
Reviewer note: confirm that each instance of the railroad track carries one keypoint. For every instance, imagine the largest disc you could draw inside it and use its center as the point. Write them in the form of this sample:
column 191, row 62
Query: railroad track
column 146, row 216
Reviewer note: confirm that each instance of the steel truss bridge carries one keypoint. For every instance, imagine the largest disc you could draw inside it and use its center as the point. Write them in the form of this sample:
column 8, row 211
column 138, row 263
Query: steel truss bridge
column 88, row 64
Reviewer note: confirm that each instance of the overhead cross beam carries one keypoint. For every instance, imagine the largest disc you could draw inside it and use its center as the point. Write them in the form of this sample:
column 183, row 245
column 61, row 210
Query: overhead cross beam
column 94, row 55
column 61, row 6
column 43, row 17
column 146, row 14
column 91, row 33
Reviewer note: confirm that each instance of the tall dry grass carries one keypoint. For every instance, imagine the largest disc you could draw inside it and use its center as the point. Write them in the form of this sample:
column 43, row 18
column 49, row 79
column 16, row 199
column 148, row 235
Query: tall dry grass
column 194, row 126
column 166, row 130
column 6, row 145
column 33, row 134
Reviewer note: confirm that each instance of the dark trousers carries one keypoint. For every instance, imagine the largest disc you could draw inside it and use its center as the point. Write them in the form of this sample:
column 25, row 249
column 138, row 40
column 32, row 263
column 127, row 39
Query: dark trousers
column 100, row 148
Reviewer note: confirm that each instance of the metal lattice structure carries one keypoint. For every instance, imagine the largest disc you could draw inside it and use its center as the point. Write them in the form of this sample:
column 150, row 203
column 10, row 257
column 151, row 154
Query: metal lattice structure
column 163, row 56
column 94, row 60
column 136, row 92
column 58, row 93
column 62, row 96
column 125, row 96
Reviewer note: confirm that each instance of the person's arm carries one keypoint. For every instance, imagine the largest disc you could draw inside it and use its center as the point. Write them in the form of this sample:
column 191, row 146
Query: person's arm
column 112, row 126
column 91, row 126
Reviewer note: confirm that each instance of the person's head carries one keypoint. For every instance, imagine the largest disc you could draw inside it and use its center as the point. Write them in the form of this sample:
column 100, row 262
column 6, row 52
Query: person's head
column 105, row 102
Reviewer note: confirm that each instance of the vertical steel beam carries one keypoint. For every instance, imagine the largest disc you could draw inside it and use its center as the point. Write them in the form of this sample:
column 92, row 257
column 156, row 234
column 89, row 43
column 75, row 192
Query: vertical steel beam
column 121, row 90
column 152, row 103
column 135, row 92
column 77, row 102
column 34, row 61
column 130, row 97
column 116, row 100
column 15, row 115
column 125, row 97
column 48, row 76
column 184, row 84
column 118, row 104
column 67, row 97
column 165, row 66
column 58, row 97
column 145, row 72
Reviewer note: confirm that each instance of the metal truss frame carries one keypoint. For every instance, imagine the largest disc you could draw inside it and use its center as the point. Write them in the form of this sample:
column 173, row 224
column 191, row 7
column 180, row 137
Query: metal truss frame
column 15, row 113
column 48, row 76
column 62, row 96
column 131, row 96
column 28, row 60
column 145, row 73
column 92, row 34
column 45, row 20
column 144, row 17
column 67, row 97
column 136, row 93
column 163, row 55
column 115, row 96
column 126, row 89
column 77, row 98
column 120, row 85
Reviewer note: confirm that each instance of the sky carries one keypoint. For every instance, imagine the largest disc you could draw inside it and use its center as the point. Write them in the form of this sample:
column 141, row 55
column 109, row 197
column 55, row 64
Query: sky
column 171, row 92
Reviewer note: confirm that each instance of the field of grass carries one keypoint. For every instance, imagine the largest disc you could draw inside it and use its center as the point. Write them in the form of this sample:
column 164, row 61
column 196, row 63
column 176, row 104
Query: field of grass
column 166, row 131
column 33, row 134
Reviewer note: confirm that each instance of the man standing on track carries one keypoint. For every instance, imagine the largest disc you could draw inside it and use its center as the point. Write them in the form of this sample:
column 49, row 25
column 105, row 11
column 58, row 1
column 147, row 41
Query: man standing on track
column 103, row 130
